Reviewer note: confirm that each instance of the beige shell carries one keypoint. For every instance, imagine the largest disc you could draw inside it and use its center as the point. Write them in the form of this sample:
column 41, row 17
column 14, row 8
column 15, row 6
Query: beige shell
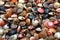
column 1, row 2
column 56, row 5
column 43, row 34
column 22, row 23
column 20, row 5
column 35, row 22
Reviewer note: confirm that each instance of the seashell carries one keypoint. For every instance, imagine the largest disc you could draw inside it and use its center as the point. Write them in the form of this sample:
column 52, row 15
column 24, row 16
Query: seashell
column 43, row 34
column 14, row 16
column 2, row 23
column 38, row 1
column 41, row 39
column 8, row 13
column 19, row 10
column 1, row 31
column 21, row 18
column 1, row 2
column 30, row 27
column 40, row 10
column 58, row 9
column 49, row 24
column 56, row 5
column 38, row 29
column 21, row 1
column 32, row 32
column 5, row 26
column 56, row 22
column 15, row 20
column 32, row 38
column 35, row 22
column 13, row 26
column 10, row 18
column 22, row 23
column 36, row 35
column 14, row 36
column 29, row 5
column 40, row 5
column 28, row 21
column 57, row 35
column 20, row 5
column 51, row 31
column 51, row 5
column 20, row 35
column 51, row 13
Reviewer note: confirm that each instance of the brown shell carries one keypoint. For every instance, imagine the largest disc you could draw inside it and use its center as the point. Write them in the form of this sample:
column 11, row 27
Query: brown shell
column 28, row 21
column 8, row 13
column 36, row 35
column 43, row 34
column 22, row 23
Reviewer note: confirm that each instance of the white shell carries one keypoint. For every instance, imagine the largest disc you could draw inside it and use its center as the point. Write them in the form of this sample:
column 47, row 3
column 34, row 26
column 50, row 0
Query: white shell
column 1, row 31
column 13, row 26
column 21, row 17
column 3, row 36
column 35, row 22
column 32, row 38
column 51, row 13
column 2, row 16
column 1, row 19
column 41, row 39
column 20, row 5
column 10, row 18
column 38, row 29
column 14, row 36
column 21, row 1
column 1, row 2
column 40, row 5
column 57, row 35
column 6, row 26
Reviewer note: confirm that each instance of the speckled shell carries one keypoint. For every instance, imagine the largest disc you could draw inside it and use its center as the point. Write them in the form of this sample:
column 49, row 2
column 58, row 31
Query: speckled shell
column 8, row 13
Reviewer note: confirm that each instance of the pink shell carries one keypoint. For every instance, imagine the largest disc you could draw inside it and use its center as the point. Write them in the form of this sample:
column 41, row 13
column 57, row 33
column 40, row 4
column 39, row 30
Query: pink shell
column 58, row 9
column 49, row 25
column 14, row 15
column 40, row 10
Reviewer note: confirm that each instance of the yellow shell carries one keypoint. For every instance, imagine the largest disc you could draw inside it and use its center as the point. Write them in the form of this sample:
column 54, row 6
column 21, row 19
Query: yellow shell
column 56, row 5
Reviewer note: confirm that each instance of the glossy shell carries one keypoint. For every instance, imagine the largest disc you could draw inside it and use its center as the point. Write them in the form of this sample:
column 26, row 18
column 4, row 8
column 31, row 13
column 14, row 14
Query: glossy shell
column 28, row 21
column 35, row 22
